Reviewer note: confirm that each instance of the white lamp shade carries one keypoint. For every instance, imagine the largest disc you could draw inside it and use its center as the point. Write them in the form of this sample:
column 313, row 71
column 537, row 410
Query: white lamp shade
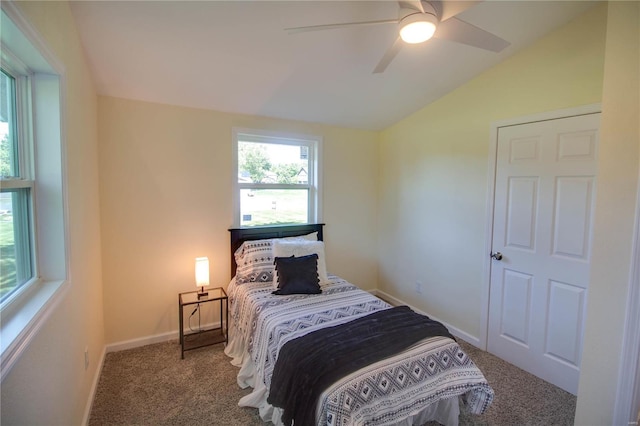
column 418, row 27
column 202, row 271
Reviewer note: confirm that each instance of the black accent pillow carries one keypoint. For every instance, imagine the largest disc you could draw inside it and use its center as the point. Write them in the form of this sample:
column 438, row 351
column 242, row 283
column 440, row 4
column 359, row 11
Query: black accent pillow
column 298, row 275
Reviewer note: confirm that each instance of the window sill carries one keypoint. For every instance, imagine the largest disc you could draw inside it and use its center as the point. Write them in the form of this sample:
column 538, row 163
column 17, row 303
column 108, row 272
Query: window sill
column 22, row 320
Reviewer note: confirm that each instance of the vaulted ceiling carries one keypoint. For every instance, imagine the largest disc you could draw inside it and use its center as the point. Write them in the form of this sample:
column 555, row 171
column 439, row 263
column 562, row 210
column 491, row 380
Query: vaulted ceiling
column 235, row 56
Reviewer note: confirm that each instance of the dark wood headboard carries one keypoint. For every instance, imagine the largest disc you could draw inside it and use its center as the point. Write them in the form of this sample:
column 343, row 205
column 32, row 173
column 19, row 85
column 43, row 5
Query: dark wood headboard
column 240, row 235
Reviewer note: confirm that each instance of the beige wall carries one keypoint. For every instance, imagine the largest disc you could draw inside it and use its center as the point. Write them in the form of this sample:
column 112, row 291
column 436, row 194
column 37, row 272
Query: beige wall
column 433, row 169
column 166, row 192
column 48, row 384
column 614, row 217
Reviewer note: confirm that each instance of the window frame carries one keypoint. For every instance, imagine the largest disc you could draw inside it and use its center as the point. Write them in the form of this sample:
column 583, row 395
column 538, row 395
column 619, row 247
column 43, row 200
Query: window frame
column 314, row 175
column 25, row 313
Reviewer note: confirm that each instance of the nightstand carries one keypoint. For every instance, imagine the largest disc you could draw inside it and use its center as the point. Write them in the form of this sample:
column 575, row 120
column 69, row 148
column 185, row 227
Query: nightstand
column 204, row 337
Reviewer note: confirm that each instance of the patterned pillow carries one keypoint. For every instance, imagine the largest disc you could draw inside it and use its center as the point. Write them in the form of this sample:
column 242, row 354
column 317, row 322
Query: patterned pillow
column 254, row 259
column 255, row 262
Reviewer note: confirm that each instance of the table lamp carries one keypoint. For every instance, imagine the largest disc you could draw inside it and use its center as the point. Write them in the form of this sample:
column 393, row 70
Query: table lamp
column 202, row 275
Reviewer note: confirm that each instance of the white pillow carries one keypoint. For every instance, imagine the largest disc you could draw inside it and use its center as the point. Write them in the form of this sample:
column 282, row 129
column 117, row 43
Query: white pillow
column 309, row 237
column 288, row 248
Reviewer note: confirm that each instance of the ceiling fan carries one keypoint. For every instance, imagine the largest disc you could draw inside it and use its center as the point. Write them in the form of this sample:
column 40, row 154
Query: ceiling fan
column 418, row 21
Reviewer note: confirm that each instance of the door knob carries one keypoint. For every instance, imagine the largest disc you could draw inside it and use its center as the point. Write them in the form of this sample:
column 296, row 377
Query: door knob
column 497, row 255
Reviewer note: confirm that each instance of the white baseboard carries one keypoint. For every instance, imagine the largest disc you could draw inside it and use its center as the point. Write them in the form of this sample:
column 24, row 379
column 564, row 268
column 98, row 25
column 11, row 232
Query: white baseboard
column 173, row 335
column 142, row 341
column 94, row 388
column 475, row 341
column 150, row 340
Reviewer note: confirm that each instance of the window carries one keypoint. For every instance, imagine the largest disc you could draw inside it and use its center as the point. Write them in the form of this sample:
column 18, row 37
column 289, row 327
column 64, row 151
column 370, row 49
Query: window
column 276, row 178
column 16, row 186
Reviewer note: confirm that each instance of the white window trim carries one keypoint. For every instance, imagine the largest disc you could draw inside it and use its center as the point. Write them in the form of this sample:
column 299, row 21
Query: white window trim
column 315, row 143
column 24, row 105
column 27, row 310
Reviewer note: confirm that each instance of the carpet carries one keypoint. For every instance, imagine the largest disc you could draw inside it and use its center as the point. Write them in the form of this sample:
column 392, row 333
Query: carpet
column 151, row 385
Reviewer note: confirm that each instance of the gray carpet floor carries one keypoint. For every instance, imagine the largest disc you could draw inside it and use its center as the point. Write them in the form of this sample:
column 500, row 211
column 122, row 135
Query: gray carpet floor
column 151, row 385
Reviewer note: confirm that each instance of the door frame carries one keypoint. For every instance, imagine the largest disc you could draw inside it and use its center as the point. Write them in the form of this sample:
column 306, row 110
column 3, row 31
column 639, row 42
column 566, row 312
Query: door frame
column 483, row 338
column 628, row 387
column 628, row 391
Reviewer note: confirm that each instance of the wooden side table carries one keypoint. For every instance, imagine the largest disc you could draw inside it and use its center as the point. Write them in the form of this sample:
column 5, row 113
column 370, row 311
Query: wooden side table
column 203, row 337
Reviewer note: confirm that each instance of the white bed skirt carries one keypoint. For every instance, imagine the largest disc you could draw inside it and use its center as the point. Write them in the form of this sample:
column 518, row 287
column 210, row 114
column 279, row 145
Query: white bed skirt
column 445, row 411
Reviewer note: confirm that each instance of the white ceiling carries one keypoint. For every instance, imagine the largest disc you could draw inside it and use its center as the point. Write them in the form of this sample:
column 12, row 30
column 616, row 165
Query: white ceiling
column 235, row 56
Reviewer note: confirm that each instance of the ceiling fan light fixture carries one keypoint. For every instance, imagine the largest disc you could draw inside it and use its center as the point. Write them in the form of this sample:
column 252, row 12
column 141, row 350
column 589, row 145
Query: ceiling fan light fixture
column 417, row 28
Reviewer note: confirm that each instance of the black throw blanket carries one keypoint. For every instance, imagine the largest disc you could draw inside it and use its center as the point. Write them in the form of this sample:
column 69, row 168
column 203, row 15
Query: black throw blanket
column 309, row 364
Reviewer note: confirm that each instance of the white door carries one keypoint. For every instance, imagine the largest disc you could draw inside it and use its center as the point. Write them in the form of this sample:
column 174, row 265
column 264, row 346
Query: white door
column 543, row 216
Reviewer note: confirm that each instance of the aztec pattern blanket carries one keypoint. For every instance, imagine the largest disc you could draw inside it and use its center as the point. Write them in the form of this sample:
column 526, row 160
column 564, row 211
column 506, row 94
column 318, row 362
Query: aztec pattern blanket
column 387, row 391
column 307, row 365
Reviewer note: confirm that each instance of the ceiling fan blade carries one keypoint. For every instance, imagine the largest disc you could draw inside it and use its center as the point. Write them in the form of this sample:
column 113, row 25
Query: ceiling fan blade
column 459, row 31
column 388, row 56
column 411, row 4
column 296, row 30
column 450, row 8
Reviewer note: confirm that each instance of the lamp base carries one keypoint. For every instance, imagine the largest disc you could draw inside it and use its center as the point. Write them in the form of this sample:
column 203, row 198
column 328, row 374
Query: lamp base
column 202, row 293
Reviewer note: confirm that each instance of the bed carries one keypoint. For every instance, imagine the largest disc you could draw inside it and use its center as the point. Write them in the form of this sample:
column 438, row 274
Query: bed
column 424, row 381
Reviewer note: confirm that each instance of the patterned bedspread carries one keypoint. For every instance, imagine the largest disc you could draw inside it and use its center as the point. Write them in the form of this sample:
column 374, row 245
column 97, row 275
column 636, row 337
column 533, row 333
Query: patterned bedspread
column 383, row 393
